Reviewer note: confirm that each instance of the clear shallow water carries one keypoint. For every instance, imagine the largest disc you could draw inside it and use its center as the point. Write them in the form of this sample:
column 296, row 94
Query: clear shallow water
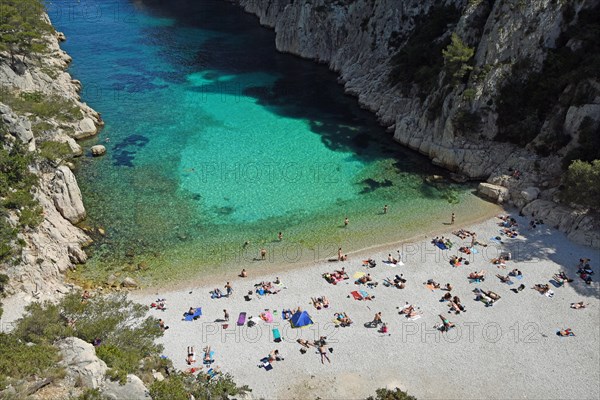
column 214, row 138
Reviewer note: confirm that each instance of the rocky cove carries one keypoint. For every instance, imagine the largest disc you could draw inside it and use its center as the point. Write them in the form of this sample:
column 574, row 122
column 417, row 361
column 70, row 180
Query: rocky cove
column 359, row 39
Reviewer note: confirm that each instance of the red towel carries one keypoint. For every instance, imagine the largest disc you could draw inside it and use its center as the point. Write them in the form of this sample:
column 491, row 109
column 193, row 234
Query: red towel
column 356, row 295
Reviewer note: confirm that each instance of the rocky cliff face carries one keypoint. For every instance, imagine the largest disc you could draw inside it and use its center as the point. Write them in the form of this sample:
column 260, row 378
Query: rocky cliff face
column 375, row 46
column 56, row 244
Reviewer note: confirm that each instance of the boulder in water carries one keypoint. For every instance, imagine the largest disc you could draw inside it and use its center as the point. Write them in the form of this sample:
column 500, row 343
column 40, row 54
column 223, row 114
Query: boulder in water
column 98, row 150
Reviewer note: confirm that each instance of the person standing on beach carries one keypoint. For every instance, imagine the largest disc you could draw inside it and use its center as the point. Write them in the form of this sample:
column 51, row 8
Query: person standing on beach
column 228, row 288
column 263, row 254
column 280, row 236
column 452, row 219
column 225, row 315
column 385, row 208
column 346, row 222
column 340, row 254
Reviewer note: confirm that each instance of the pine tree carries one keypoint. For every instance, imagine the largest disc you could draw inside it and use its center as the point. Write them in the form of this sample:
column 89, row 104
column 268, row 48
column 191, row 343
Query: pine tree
column 456, row 58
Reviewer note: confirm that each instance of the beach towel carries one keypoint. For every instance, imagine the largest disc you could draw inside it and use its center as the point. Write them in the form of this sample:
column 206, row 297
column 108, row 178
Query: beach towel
column 498, row 241
column 555, row 283
column 267, row 366
column 549, row 294
column 358, row 275
column 267, row 317
column 241, row 319
column 430, row 287
column 441, row 246
column 276, row 335
column 356, row 295
column 211, row 373
column 416, row 317
column 190, row 317
column 207, row 362
column 474, row 250
column 363, row 293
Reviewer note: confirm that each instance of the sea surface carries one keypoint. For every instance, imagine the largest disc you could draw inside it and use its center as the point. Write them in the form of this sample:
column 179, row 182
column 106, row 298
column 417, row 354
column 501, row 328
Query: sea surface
column 215, row 139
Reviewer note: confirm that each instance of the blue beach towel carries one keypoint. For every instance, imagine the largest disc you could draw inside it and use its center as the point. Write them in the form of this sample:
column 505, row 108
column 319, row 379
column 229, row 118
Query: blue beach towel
column 211, row 355
column 363, row 293
column 474, row 250
column 276, row 335
column 197, row 313
column 441, row 246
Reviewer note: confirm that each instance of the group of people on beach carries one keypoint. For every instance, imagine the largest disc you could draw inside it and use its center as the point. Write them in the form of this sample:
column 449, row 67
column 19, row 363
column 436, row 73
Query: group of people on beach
column 450, row 297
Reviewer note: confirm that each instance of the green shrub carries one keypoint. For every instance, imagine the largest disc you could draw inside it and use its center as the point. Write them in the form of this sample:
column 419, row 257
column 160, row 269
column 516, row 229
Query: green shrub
column 19, row 360
column 387, row 394
column 55, row 151
column 91, row 394
column 457, row 56
column 22, row 28
column 16, row 183
column 179, row 386
column 43, row 106
column 581, row 184
column 172, row 388
column 127, row 334
column 420, row 60
column 589, row 144
column 466, row 121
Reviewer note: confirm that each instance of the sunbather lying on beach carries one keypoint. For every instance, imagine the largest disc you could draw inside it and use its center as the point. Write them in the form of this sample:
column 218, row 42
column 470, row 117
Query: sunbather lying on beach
column 343, row 319
column 504, row 279
column 369, row 263
column 410, row 311
column 392, row 259
column 477, row 275
column 398, row 282
column 206, row 357
column 516, row 273
column 446, row 297
column 191, row 355
column 463, row 233
column 579, row 305
column 456, row 306
column 565, row 332
column 364, row 279
column 304, row 343
column 446, row 324
column 561, row 277
column 433, row 283
column 465, row 250
column 542, row 288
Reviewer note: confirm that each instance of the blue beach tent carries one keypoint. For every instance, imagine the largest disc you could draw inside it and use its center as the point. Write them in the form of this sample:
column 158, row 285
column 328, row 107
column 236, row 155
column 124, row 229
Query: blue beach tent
column 300, row 319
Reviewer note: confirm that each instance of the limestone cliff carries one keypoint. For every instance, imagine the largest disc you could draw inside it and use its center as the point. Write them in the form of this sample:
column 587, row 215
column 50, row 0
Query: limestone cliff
column 388, row 54
column 55, row 245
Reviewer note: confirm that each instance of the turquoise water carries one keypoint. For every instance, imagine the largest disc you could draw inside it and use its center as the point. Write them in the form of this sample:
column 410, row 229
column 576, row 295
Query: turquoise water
column 214, row 138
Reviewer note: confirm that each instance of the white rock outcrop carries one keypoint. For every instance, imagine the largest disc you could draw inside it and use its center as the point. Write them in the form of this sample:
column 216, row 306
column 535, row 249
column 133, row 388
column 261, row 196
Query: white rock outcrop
column 133, row 389
column 82, row 364
column 495, row 193
column 67, row 196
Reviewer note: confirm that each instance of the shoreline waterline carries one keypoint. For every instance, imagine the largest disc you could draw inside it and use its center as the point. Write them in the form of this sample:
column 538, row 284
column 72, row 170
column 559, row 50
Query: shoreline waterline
column 219, row 277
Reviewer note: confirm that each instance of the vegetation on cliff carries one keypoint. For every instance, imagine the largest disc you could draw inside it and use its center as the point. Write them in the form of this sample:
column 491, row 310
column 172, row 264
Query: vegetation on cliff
column 127, row 346
column 23, row 27
column 582, row 184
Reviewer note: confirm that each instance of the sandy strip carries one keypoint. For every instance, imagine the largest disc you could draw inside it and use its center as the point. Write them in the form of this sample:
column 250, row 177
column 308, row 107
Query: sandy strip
column 509, row 350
